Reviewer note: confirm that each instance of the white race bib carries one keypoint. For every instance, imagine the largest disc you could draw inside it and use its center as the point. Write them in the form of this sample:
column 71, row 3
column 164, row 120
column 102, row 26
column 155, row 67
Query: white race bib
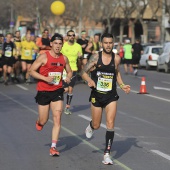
column 8, row 53
column 57, row 77
column 104, row 84
column 27, row 53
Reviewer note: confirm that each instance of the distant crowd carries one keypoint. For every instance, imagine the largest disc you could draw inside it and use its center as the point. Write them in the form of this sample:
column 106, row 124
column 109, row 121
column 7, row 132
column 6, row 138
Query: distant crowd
column 17, row 53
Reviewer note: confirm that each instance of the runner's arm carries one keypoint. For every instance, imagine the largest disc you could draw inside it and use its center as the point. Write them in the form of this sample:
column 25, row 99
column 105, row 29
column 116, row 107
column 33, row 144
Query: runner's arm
column 87, row 68
column 68, row 70
column 41, row 60
column 124, row 87
column 79, row 60
column 87, row 49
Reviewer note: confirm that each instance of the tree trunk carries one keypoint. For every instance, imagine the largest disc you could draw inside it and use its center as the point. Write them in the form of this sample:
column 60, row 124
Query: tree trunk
column 133, row 32
column 109, row 25
column 145, row 32
column 121, row 32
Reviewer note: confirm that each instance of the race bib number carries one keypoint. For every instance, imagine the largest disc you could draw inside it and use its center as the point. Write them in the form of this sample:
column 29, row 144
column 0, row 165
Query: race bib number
column 8, row 53
column 27, row 52
column 104, row 84
column 57, row 77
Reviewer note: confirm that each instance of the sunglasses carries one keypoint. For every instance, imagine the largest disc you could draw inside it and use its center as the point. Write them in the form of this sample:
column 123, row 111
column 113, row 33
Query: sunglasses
column 71, row 35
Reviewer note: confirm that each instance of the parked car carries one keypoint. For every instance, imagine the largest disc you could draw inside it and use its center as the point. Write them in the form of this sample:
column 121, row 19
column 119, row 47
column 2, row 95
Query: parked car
column 150, row 56
column 148, row 44
column 163, row 62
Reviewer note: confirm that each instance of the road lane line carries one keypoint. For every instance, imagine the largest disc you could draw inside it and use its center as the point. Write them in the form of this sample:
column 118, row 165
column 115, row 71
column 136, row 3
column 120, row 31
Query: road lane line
column 165, row 82
column 22, row 87
column 152, row 96
column 102, row 125
column 161, row 88
column 142, row 120
column 161, row 154
column 68, row 131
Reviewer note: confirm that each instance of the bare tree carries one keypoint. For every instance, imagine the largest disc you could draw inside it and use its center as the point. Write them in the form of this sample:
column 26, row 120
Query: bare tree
column 126, row 9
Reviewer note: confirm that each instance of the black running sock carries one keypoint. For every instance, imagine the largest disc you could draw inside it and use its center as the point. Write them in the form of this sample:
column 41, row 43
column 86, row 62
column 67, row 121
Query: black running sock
column 109, row 140
column 24, row 74
column 134, row 67
column 69, row 98
column 8, row 76
column 91, row 125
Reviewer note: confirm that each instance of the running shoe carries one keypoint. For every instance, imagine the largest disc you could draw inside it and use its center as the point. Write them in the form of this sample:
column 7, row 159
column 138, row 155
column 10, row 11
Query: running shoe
column 54, row 151
column 89, row 131
column 107, row 160
column 67, row 111
column 38, row 126
column 135, row 72
column 27, row 82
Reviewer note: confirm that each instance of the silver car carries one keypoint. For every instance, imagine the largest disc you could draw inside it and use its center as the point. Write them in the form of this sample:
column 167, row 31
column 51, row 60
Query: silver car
column 150, row 56
column 164, row 59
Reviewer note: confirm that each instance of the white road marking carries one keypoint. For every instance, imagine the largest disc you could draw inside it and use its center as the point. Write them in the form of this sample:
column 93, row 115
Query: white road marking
column 22, row 87
column 165, row 82
column 102, row 125
column 161, row 88
column 141, row 120
column 152, row 96
column 161, row 154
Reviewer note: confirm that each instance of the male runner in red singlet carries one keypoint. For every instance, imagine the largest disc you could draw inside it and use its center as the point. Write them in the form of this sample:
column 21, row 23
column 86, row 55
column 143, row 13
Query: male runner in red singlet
column 48, row 69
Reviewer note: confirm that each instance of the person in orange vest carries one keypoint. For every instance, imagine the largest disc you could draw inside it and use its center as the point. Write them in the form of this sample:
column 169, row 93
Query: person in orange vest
column 43, row 42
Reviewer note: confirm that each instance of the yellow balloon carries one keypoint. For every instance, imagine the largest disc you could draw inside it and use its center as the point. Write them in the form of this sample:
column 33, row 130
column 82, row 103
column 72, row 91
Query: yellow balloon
column 57, row 8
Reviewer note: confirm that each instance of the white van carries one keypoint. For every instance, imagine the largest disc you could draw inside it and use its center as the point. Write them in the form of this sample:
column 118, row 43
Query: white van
column 164, row 59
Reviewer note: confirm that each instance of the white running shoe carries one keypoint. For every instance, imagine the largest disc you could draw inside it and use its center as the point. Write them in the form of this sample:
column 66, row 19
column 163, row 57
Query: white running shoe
column 67, row 111
column 107, row 160
column 135, row 72
column 89, row 131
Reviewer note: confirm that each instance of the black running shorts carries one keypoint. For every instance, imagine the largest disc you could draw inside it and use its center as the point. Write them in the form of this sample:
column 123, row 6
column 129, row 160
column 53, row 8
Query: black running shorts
column 72, row 82
column 8, row 61
column 46, row 97
column 102, row 100
column 28, row 61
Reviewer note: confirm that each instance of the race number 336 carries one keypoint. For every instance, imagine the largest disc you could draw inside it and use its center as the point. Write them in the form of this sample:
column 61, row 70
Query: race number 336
column 104, row 84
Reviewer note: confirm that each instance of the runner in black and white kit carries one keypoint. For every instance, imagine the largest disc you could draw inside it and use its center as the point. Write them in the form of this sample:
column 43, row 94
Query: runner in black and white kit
column 104, row 67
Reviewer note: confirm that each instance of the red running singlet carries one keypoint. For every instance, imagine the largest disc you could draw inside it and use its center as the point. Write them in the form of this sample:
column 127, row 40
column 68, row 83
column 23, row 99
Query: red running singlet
column 54, row 67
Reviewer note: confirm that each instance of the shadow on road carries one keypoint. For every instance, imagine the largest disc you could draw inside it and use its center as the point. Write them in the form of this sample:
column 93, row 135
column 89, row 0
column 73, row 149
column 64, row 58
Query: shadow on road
column 68, row 142
column 119, row 148
column 77, row 108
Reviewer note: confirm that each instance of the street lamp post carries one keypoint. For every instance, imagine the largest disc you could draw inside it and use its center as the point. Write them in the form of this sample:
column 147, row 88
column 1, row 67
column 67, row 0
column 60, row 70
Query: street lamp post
column 37, row 17
column 11, row 19
column 163, row 23
column 80, row 17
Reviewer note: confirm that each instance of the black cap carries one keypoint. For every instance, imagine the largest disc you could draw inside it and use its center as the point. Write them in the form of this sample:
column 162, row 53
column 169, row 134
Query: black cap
column 57, row 36
column 1, row 35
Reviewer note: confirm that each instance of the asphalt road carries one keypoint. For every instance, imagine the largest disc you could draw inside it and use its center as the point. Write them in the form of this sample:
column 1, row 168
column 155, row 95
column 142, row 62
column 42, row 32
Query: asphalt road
column 142, row 139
